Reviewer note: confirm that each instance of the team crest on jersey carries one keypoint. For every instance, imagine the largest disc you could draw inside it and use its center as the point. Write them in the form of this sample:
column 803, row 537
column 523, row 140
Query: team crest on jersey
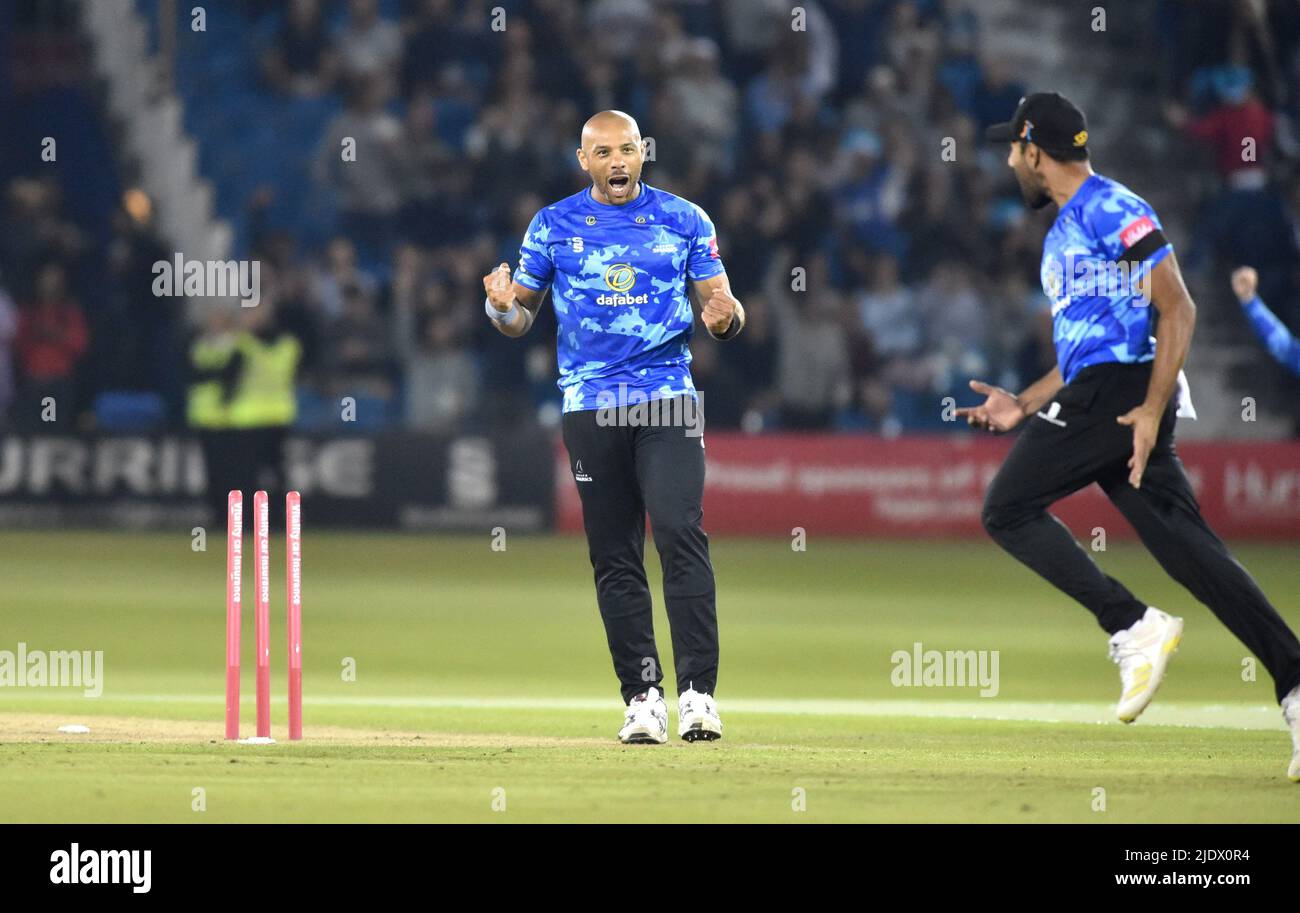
column 1051, row 276
column 591, row 220
column 620, row 277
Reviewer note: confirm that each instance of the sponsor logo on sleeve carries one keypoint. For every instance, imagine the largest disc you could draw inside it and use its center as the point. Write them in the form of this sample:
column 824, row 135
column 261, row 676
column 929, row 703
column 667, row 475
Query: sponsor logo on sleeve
column 1135, row 231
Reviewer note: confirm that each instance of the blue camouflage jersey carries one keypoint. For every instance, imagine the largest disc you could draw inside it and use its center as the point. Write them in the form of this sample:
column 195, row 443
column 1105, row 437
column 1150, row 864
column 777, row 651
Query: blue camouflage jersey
column 1281, row 343
column 618, row 279
column 1104, row 241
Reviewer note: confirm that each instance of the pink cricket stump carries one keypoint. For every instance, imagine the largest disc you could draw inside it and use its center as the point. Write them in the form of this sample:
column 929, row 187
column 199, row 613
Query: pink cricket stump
column 293, row 587
column 262, row 619
column 234, row 569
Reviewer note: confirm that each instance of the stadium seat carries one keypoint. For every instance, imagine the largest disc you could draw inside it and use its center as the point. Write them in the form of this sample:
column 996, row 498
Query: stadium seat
column 122, row 410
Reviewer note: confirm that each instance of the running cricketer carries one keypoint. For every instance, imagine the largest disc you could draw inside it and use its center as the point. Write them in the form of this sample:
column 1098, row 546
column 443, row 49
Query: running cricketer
column 619, row 257
column 1106, row 414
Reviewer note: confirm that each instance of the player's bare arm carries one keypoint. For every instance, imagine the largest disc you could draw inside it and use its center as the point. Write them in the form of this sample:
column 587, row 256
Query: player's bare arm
column 1173, row 338
column 720, row 312
column 1003, row 410
column 516, row 304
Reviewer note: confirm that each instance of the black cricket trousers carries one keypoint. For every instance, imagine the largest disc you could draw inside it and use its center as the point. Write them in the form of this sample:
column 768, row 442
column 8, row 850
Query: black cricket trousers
column 1081, row 443
column 624, row 470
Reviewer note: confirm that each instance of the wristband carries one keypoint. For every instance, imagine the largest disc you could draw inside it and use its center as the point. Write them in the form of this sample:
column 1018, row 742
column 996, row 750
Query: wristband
column 732, row 331
column 499, row 316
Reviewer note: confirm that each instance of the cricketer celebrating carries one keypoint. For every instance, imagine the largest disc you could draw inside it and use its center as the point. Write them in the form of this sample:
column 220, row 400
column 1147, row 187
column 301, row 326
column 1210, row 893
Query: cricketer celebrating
column 620, row 255
column 1105, row 415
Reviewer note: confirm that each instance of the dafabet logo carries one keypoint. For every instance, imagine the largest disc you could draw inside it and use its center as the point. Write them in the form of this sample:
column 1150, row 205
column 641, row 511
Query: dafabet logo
column 620, row 277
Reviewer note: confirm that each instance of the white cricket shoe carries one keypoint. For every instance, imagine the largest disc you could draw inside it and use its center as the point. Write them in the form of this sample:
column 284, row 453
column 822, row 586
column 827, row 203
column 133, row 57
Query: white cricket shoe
column 1143, row 653
column 1291, row 713
column 646, row 720
column 697, row 717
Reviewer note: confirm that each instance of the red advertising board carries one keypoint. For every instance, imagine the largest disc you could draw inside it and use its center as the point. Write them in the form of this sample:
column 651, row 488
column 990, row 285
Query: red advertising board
column 918, row 487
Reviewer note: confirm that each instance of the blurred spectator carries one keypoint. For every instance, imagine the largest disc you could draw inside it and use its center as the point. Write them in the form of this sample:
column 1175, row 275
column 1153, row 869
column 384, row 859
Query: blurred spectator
column 139, row 331
column 1032, row 350
column 367, row 173
column 340, row 273
column 209, row 385
column 260, row 399
column 997, row 93
column 51, row 341
column 888, row 312
column 34, row 230
column 359, row 356
column 441, row 380
column 1244, row 220
column 427, row 162
column 753, row 27
column 786, row 85
column 369, row 46
column 618, row 25
column 909, row 38
column 1239, row 129
column 722, row 391
column 440, row 376
column 813, row 367
column 704, row 101
column 956, row 323
column 753, row 356
column 871, row 194
column 301, row 60
column 436, row 38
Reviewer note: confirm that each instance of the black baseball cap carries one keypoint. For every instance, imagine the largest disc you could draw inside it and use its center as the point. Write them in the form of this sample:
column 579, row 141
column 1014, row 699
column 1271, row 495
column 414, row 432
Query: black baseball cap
column 1047, row 119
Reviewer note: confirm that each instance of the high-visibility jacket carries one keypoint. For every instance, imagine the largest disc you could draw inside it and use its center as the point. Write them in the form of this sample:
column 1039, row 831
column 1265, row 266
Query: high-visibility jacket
column 264, row 393
column 205, row 400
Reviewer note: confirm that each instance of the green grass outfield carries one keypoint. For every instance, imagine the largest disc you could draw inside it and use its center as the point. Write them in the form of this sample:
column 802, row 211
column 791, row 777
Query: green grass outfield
column 483, row 675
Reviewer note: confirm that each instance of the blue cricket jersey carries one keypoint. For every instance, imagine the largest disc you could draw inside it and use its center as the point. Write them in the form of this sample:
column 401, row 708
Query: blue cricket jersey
column 1104, row 240
column 618, row 280
column 1282, row 345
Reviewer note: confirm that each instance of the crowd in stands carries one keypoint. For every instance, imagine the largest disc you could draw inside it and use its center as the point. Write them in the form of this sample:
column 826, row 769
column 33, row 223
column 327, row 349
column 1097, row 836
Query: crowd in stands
column 817, row 153
column 1234, row 93
column 1231, row 92
column 880, row 247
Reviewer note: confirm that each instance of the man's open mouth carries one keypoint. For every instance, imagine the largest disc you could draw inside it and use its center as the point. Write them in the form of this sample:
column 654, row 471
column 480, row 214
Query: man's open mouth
column 619, row 184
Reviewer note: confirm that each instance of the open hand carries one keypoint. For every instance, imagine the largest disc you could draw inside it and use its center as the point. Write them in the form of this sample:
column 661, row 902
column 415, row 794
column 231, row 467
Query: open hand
column 1145, row 423
column 1000, row 411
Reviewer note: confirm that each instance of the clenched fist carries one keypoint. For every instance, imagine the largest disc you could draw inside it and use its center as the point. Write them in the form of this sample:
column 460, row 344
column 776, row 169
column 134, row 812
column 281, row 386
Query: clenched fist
column 1245, row 281
column 500, row 288
column 718, row 311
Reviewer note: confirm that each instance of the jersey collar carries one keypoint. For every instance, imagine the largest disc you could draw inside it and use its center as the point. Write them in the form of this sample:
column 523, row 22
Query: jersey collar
column 642, row 197
column 1086, row 190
